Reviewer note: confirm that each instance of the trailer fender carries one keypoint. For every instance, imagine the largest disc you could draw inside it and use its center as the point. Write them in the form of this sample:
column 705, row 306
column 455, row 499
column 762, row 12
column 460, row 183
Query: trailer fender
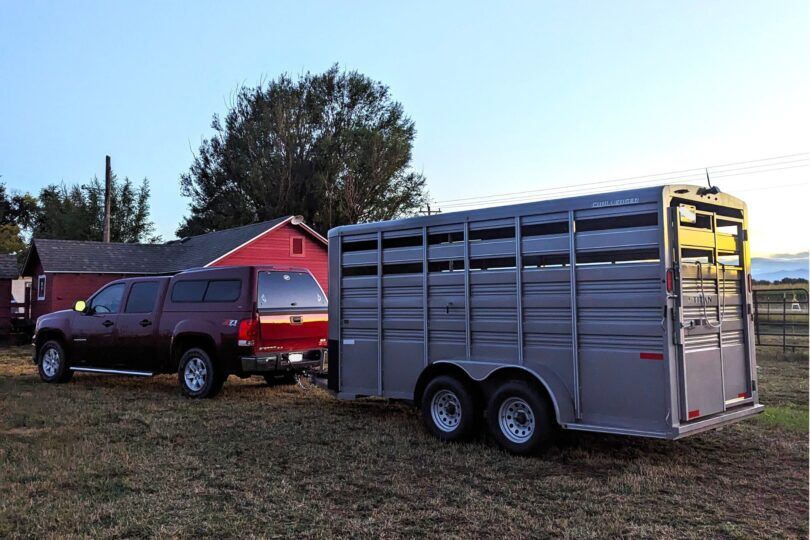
column 555, row 388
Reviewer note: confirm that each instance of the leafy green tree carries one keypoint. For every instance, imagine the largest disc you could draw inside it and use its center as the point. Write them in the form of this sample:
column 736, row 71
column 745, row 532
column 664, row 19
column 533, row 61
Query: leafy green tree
column 16, row 212
column 333, row 147
column 76, row 212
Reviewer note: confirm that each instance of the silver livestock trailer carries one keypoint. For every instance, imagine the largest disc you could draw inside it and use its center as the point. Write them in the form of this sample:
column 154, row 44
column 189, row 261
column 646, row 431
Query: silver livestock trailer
column 625, row 313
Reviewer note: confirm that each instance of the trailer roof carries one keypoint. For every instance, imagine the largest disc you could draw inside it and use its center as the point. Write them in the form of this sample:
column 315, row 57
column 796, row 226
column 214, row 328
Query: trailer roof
column 581, row 202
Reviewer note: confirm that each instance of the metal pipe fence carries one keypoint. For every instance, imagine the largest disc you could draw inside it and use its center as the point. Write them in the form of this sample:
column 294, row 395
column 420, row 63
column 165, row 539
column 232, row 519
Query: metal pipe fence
column 781, row 318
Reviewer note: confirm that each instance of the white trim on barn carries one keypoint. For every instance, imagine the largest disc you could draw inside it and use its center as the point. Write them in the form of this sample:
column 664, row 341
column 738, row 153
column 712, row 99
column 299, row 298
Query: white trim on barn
column 42, row 283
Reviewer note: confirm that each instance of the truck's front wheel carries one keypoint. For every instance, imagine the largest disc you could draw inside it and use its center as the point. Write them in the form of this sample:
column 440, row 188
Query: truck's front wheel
column 448, row 409
column 198, row 375
column 52, row 363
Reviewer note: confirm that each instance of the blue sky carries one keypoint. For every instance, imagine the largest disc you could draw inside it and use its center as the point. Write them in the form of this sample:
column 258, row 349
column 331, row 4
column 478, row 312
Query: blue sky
column 505, row 98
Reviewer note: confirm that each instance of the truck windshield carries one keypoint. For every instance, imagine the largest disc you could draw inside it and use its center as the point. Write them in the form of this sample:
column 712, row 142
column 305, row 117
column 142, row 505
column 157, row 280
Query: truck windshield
column 289, row 290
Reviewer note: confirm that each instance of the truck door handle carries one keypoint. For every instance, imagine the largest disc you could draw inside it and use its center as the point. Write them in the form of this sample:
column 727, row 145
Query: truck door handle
column 108, row 323
column 145, row 323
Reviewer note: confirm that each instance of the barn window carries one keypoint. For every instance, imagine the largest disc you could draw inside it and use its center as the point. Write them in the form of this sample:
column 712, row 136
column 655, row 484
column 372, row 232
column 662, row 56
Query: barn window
column 297, row 246
column 41, row 287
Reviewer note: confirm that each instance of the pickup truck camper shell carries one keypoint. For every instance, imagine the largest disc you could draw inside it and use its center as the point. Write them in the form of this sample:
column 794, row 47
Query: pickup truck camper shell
column 627, row 312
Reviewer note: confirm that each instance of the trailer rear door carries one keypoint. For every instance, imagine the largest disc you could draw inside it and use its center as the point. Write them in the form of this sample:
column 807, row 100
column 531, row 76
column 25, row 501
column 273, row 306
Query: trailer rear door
column 712, row 328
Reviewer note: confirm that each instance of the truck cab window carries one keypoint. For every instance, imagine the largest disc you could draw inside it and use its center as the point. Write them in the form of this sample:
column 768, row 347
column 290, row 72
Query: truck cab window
column 108, row 300
column 142, row 296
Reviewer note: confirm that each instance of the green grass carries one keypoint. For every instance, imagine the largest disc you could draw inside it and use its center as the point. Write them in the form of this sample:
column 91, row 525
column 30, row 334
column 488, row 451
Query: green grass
column 125, row 457
column 791, row 418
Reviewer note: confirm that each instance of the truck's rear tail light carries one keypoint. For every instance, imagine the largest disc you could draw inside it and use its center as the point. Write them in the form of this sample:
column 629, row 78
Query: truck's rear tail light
column 694, row 414
column 247, row 332
column 670, row 280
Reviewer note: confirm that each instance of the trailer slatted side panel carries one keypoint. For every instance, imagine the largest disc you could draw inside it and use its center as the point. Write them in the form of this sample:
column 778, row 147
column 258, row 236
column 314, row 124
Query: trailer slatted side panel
column 620, row 317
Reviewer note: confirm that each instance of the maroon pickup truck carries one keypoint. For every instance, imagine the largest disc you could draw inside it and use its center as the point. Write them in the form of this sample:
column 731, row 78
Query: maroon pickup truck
column 202, row 324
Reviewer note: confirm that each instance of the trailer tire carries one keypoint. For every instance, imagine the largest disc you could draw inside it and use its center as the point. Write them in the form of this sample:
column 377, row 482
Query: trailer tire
column 520, row 419
column 448, row 409
column 198, row 375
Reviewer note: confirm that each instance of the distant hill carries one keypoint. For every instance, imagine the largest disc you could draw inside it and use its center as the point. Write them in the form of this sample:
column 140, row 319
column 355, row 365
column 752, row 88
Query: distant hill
column 780, row 266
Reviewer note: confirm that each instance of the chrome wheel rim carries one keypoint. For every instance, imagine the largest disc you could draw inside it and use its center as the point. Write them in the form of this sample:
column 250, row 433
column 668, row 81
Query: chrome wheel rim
column 50, row 362
column 445, row 409
column 195, row 374
column 516, row 420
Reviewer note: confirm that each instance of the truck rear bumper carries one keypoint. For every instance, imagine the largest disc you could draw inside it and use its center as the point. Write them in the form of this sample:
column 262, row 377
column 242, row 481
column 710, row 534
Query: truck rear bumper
column 718, row 420
column 281, row 362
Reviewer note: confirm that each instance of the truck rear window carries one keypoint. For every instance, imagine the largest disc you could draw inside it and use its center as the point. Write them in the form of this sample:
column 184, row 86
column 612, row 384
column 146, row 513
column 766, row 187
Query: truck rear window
column 279, row 290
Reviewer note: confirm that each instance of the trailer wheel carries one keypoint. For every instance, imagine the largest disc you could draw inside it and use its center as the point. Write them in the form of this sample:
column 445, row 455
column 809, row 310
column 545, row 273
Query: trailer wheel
column 520, row 419
column 448, row 409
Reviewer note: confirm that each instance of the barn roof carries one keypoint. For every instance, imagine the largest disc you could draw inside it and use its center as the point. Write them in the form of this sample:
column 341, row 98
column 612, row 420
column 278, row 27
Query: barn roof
column 9, row 267
column 76, row 256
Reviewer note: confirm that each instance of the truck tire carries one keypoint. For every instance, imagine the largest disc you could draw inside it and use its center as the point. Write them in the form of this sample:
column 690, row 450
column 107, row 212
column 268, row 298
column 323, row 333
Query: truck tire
column 448, row 409
column 520, row 418
column 52, row 363
column 199, row 377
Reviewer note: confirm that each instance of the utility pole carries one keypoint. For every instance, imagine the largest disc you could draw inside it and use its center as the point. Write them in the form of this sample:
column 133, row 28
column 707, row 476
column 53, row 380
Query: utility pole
column 107, row 196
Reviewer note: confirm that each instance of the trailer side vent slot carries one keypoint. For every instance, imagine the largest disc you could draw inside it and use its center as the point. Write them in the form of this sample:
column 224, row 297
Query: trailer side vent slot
column 405, row 268
column 545, row 261
column 402, row 241
column 453, row 237
column 694, row 255
column 364, row 245
column 495, row 263
column 354, row 271
column 618, row 222
column 729, row 259
column 618, row 257
column 543, row 229
column 500, row 233
column 455, row 265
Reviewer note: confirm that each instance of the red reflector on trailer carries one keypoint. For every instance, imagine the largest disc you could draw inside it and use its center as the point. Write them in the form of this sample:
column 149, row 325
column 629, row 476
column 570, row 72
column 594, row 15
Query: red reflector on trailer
column 670, row 280
column 651, row 356
column 694, row 414
column 742, row 394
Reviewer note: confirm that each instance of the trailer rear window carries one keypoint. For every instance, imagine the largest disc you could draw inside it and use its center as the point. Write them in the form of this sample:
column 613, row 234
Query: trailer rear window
column 284, row 290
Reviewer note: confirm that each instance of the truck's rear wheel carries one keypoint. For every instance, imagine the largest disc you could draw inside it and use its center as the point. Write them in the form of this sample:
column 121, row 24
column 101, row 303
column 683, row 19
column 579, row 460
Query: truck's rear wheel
column 520, row 419
column 52, row 363
column 448, row 409
column 198, row 375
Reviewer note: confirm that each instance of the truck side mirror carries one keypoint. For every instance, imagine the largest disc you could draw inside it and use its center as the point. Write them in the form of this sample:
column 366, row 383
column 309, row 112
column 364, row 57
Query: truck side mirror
column 80, row 306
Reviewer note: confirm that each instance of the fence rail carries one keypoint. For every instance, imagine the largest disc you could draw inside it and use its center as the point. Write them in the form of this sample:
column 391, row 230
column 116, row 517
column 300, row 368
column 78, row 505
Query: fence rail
column 781, row 318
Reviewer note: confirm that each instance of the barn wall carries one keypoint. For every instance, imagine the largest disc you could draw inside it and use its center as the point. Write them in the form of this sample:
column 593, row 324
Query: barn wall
column 274, row 248
column 5, row 307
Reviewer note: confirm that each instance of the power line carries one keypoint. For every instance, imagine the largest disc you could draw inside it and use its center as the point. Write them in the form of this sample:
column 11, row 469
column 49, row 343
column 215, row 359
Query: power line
column 638, row 179
column 696, row 178
column 651, row 180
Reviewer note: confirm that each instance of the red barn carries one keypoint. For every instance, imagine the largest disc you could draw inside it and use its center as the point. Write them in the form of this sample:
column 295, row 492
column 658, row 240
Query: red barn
column 64, row 271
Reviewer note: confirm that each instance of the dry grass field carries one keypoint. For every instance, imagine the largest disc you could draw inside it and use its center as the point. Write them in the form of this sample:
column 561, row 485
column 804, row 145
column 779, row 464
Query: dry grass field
column 111, row 457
